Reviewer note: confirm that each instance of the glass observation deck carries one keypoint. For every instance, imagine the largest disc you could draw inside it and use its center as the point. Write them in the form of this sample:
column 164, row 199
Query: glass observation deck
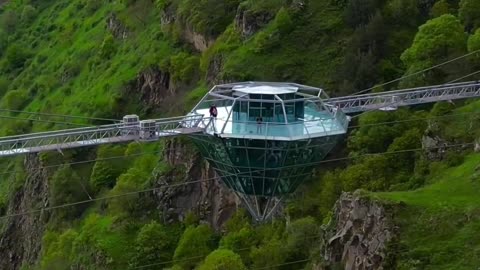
column 272, row 111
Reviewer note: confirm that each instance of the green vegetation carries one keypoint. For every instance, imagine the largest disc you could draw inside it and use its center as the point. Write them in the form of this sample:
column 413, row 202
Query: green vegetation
column 83, row 57
column 440, row 222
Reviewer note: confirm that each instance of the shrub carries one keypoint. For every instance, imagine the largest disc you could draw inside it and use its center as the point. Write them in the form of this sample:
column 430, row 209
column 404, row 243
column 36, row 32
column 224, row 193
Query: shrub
column 67, row 187
column 15, row 99
column 223, row 259
column 29, row 14
column 17, row 55
column 105, row 172
column 196, row 242
column 183, row 67
column 153, row 243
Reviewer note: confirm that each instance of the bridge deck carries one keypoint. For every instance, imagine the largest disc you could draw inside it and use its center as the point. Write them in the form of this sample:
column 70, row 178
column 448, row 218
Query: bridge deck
column 406, row 97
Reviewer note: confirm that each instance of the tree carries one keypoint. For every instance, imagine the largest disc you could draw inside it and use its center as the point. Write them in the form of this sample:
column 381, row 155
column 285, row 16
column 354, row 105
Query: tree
column 196, row 243
column 358, row 12
column 105, row 172
column 440, row 8
column 469, row 13
column 15, row 99
column 411, row 139
column 223, row 259
column 474, row 45
column 153, row 243
column 17, row 55
column 301, row 236
column 67, row 187
column 268, row 254
column 437, row 40
column 403, row 12
column 28, row 14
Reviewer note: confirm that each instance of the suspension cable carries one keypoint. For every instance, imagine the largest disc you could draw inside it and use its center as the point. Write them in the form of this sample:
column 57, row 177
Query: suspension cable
column 416, row 73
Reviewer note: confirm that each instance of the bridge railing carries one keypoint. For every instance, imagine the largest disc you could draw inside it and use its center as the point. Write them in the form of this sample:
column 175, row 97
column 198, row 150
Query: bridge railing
column 406, row 97
column 128, row 131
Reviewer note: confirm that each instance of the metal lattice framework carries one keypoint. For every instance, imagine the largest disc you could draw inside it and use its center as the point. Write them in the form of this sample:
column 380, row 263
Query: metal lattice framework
column 131, row 130
column 407, row 97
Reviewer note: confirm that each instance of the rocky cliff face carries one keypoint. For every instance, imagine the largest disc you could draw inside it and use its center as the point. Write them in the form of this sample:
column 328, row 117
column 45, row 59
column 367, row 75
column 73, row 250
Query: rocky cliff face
column 248, row 22
column 20, row 242
column 208, row 198
column 116, row 27
column 359, row 234
column 153, row 89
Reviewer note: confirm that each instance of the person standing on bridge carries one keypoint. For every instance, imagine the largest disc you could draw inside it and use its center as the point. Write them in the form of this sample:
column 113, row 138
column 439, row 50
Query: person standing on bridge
column 213, row 115
column 259, row 124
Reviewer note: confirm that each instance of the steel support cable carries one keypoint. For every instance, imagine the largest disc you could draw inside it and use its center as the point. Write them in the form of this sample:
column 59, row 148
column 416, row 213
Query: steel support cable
column 464, row 77
column 44, row 121
column 84, row 162
column 213, row 178
column 396, row 102
column 416, row 73
column 65, row 116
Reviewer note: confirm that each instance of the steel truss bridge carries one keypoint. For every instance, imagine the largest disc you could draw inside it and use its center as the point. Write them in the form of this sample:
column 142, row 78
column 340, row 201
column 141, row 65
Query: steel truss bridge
column 132, row 129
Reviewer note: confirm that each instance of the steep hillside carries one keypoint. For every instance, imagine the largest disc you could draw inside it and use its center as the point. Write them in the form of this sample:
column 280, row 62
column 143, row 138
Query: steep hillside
column 100, row 60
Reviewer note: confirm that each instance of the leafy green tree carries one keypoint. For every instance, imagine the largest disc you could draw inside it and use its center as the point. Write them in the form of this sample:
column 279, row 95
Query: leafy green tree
column 440, row 8
column 154, row 243
column 194, row 245
column 240, row 240
column 469, row 13
column 411, row 139
column 372, row 173
column 301, row 235
column 106, row 171
column 223, row 259
column 67, row 187
column 437, row 40
column 474, row 45
column 57, row 250
column 268, row 255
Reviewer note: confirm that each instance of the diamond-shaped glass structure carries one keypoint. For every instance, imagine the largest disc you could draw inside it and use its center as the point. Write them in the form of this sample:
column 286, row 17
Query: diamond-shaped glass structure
column 267, row 138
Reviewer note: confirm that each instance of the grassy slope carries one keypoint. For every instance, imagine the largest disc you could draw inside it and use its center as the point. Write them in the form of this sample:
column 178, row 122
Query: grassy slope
column 74, row 44
column 440, row 223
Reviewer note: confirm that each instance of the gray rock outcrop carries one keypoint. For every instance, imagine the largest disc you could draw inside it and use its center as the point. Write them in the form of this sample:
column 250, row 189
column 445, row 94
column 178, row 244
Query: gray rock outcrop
column 434, row 147
column 248, row 22
column 358, row 236
column 116, row 27
column 207, row 197
column 21, row 236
